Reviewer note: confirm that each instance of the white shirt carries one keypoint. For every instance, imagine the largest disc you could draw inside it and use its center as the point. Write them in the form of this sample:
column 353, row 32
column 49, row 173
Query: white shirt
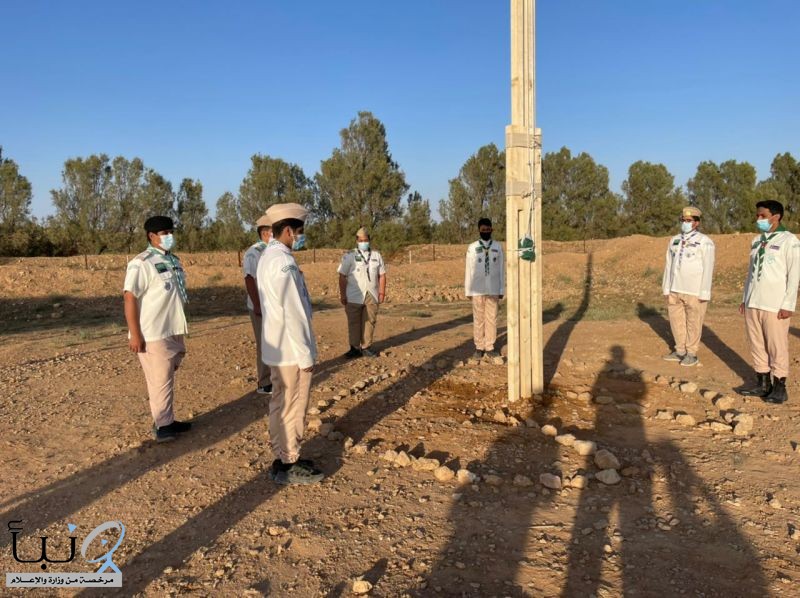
column 363, row 271
column 689, row 267
column 479, row 281
column 154, row 282
column 780, row 273
column 286, row 334
column 250, row 265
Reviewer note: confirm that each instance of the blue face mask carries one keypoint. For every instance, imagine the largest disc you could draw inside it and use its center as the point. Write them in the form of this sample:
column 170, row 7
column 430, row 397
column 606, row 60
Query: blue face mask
column 763, row 225
column 363, row 245
column 167, row 241
column 686, row 227
column 299, row 242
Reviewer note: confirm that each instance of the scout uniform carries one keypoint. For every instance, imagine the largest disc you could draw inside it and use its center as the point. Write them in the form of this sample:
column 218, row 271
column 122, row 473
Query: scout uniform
column 158, row 282
column 249, row 268
column 771, row 286
column 363, row 271
column 288, row 344
column 484, row 282
column 687, row 286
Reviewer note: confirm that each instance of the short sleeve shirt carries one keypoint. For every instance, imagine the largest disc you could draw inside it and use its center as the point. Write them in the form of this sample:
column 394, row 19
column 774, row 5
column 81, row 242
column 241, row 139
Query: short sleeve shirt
column 154, row 282
column 250, row 265
column 363, row 271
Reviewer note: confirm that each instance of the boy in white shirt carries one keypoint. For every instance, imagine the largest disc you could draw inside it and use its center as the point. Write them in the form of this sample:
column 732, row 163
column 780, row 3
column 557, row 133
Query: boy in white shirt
column 485, row 284
column 249, row 269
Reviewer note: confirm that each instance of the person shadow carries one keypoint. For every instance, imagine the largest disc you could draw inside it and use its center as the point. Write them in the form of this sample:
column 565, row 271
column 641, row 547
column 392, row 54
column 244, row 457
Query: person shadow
column 660, row 530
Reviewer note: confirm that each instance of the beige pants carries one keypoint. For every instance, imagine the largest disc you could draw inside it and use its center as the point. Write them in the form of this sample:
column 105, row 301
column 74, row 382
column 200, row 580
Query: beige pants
column 769, row 341
column 291, row 387
column 686, row 315
column 159, row 362
column 361, row 320
column 261, row 368
column 484, row 321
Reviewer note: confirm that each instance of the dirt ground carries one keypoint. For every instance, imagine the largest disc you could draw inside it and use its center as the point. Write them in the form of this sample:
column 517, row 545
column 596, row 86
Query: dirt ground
column 702, row 509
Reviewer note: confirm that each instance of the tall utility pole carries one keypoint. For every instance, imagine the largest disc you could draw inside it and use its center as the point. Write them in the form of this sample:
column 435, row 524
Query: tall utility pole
column 523, row 211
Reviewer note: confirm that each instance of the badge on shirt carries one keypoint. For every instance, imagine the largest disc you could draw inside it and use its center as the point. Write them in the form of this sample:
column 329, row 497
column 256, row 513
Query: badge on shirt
column 161, row 267
column 167, row 286
column 776, row 247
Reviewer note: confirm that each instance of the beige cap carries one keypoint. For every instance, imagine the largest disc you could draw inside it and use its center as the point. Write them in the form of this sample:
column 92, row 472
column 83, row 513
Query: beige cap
column 263, row 221
column 691, row 211
column 362, row 232
column 282, row 211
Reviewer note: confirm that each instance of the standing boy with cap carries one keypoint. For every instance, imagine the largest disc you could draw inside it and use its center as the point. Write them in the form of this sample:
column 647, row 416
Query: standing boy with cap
column 686, row 284
column 249, row 267
column 362, row 288
column 770, row 297
column 485, row 283
column 288, row 345
column 155, row 296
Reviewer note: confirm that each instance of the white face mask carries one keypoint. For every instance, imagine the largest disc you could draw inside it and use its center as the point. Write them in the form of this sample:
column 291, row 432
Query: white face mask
column 686, row 227
column 167, row 241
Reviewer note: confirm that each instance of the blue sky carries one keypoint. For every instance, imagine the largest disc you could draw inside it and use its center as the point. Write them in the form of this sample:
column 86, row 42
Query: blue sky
column 195, row 88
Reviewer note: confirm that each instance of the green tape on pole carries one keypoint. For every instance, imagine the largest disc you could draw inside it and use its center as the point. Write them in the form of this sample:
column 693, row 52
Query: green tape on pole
column 526, row 249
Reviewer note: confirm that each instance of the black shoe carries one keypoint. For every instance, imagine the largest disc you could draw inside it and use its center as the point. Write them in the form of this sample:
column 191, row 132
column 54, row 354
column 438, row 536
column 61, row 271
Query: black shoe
column 478, row 355
column 353, row 353
column 367, row 352
column 278, row 465
column 778, row 394
column 264, row 390
column 177, row 427
column 164, row 435
column 762, row 388
column 297, row 473
column 492, row 354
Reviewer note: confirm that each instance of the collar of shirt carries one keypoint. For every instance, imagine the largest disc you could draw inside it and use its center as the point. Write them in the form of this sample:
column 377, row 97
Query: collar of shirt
column 157, row 250
column 279, row 245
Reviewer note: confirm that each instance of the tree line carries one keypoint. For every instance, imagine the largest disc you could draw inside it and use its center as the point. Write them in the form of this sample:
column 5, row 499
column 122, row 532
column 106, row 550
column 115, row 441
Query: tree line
column 102, row 202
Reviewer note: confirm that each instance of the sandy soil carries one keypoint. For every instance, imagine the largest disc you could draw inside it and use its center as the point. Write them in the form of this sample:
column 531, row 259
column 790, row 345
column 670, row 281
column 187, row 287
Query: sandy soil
column 700, row 510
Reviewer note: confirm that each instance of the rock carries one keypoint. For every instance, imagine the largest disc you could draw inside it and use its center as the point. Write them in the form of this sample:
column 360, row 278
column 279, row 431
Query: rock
column 709, row 395
column 565, row 439
column 630, row 408
column 464, row 476
column 579, row 481
column 390, row 456
column 630, row 472
column 522, row 481
column 325, row 429
column 402, row 460
column 549, row 430
column 276, row 530
column 571, row 394
column 531, row 423
column 719, row 427
column 665, row 414
column 493, row 480
column 499, row 416
column 361, row 587
column 724, row 403
column 608, row 476
column 348, row 443
column 512, row 421
column 313, row 424
column 425, row 464
column 688, row 387
column 498, row 360
column 604, row 400
column 335, row 435
column 585, row 396
column 775, row 504
column 605, row 459
column 312, row 411
column 662, row 380
column 744, row 424
column 322, row 404
column 443, row 474
column 359, row 449
column 685, row 419
column 548, row 480
column 441, row 364
column 585, row 447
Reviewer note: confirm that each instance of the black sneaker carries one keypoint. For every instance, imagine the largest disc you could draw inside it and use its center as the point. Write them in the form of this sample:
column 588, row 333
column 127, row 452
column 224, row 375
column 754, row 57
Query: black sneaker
column 478, row 355
column 492, row 354
column 297, row 473
column 177, row 427
column 164, row 435
column 367, row 352
column 264, row 390
column 353, row 353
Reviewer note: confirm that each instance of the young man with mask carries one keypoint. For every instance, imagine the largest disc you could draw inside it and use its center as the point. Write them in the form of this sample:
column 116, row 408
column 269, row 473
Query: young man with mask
column 770, row 296
column 249, row 268
column 687, row 286
column 362, row 288
column 484, row 283
column 155, row 297
column 288, row 344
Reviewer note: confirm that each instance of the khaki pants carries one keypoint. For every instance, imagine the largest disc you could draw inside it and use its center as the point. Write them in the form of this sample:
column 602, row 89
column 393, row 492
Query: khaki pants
column 291, row 387
column 484, row 321
column 361, row 320
column 769, row 341
column 686, row 314
column 159, row 362
column 261, row 368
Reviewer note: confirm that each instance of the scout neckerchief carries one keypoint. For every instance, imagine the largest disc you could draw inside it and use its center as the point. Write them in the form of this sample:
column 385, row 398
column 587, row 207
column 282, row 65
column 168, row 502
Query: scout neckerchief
column 684, row 242
column 762, row 246
column 366, row 261
column 485, row 250
column 173, row 262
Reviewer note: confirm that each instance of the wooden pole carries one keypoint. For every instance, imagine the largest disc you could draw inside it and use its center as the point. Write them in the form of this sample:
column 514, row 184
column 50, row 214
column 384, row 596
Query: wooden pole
column 523, row 190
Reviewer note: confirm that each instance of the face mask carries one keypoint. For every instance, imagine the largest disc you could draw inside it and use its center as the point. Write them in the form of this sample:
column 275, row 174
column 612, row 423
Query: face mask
column 299, row 242
column 167, row 241
column 486, row 236
column 686, row 227
column 363, row 245
column 763, row 225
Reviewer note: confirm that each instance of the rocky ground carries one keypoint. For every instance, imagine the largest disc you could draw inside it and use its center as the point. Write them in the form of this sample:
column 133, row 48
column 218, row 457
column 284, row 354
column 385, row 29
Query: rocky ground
column 630, row 475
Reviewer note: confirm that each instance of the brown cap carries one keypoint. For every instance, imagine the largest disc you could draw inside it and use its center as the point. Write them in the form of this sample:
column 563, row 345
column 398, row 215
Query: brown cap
column 263, row 221
column 282, row 211
column 691, row 211
column 362, row 232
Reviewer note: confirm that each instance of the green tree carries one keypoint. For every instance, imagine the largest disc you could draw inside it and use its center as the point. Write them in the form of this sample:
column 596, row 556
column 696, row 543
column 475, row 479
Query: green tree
column 652, row 203
column 725, row 193
column 191, row 213
column 15, row 197
column 270, row 181
column 783, row 185
column 478, row 191
column 417, row 220
column 226, row 229
column 360, row 181
column 125, row 187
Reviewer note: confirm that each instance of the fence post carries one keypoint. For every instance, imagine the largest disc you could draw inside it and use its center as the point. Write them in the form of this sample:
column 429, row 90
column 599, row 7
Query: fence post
column 409, row 256
column 86, row 261
column 314, row 255
column 434, row 252
column 239, row 257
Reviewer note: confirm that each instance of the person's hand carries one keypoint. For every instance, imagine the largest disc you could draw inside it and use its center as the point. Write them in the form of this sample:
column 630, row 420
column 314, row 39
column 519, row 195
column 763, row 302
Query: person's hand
column 784, row 314
column 501, row 297
column 257, row 310
column 309, row 370
column 703, row 300
column 137, row 343
column 381, row 297
column 741, row 308
column 343, row 300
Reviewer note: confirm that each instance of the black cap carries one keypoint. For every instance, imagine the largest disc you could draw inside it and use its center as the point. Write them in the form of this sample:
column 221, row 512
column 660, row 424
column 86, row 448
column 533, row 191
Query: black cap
column 156, row 224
